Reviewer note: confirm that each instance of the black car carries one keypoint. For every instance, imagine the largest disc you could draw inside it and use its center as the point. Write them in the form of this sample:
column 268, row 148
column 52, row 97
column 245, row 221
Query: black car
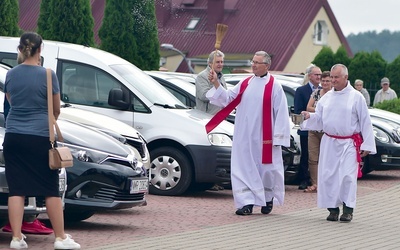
column 386, row 128
column 106, row 175
column 183, row 88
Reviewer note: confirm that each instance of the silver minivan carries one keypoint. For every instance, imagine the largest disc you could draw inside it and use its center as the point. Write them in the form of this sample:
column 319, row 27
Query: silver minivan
column 182, row 154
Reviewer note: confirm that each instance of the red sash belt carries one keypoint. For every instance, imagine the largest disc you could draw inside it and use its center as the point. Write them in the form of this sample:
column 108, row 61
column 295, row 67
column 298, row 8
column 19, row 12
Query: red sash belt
column 357, row 140
column 267, row 117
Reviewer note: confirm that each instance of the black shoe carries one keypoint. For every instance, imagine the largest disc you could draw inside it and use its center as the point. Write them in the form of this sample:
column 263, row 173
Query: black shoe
column 268, row 208
column 303, row 185
column 346, row 217
column 333, row 217
column 246, row 210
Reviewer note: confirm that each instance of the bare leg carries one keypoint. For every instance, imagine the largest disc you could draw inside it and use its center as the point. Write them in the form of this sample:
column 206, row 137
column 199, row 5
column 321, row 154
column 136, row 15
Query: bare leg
column 16, row 214
column 56, row 216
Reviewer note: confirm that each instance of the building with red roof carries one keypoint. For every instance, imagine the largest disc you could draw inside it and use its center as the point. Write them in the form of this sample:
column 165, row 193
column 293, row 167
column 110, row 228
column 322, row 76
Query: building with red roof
column 291, row 31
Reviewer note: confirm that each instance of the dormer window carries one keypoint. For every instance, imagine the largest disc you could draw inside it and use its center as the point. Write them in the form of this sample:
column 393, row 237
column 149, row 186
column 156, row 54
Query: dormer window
column 320, row 36
column 192, row 23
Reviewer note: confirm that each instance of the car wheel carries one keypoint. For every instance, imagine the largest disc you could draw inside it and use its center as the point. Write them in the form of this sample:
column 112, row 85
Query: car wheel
column 75, row 216
column 170, row 172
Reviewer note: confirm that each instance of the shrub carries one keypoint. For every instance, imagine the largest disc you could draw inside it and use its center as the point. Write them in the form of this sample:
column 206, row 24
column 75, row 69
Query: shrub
column 390, row 105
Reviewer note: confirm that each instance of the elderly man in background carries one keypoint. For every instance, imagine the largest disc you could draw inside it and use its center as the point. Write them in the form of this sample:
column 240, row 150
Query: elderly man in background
column 358, row 85
column 343, row 116
column 215, row 62
column 203, row 84
column 301, row 98
column 386, row 93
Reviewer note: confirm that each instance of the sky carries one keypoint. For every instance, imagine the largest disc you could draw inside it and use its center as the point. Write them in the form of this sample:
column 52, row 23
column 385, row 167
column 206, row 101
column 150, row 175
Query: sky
column 356, row 16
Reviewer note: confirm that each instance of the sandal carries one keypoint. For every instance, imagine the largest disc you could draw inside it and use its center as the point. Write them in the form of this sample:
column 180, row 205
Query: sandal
column 311, row 189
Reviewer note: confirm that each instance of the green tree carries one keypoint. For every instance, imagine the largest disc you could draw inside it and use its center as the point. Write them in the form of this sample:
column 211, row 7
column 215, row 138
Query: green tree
column 68, row 21
column 146, row 34
column 44, row 20
column 341, row 56
column 368, row 67
column 393, row 73
column 117, row 33
column 325, row 59
column 9, row 18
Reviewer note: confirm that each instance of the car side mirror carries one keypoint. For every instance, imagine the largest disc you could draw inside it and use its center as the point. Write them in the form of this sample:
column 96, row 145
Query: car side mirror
column 116, row 98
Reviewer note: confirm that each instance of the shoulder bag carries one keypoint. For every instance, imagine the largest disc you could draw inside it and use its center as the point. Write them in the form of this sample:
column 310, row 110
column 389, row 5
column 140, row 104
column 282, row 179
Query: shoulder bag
column 59, row 157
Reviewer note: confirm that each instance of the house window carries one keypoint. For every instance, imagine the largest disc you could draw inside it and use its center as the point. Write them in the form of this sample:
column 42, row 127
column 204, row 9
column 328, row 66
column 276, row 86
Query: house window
column 320, row 35
column 192, row 23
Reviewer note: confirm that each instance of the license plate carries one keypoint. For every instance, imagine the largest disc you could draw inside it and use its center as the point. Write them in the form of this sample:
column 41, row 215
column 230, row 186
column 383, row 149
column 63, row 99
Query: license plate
column 138, row 186
column 61, row 184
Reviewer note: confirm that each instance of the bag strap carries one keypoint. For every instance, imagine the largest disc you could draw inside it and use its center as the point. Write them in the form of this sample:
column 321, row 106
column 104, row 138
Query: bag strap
column 52, row 120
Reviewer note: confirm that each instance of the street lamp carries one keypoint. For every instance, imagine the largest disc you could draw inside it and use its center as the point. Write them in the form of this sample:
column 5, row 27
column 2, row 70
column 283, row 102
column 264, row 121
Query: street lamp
column 171, row 47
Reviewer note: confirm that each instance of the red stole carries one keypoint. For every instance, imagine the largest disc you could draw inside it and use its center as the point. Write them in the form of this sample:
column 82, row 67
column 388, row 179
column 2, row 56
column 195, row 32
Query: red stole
column 267, row 117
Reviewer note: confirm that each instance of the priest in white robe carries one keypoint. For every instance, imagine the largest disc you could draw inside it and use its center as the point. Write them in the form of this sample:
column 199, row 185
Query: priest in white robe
column 343, row 115
column 255, row 183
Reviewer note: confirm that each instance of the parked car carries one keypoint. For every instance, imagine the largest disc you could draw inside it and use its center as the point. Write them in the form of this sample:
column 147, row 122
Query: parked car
column 185, row 91
column 386, row 127
column 182, row 154
column 119, row 130
column 106, row 174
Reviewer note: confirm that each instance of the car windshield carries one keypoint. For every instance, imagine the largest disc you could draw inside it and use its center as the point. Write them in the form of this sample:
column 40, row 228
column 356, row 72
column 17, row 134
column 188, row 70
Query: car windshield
column 147, row 86
column 187, row 86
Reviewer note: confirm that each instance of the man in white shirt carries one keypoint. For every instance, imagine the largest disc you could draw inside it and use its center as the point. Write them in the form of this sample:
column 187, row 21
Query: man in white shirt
column 386, row 93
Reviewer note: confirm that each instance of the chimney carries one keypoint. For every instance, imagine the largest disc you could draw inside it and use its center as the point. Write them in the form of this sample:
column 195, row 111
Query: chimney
column 163, row 12
column 215, row 13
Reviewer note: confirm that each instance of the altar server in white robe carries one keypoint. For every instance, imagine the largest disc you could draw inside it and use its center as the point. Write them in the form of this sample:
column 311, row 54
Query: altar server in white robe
column 343, row 115
column 256, row 181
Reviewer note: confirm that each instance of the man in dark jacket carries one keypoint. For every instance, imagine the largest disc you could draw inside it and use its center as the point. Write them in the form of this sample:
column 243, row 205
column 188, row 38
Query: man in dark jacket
column 301, row 98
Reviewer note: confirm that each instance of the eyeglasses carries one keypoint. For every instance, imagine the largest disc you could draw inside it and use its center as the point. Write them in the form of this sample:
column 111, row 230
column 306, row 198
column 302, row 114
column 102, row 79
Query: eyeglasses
column 317, row 74
column 256, row 63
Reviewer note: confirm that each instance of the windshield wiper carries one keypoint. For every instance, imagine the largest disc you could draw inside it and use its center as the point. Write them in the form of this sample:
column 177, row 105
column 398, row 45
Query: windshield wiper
column 166, row 106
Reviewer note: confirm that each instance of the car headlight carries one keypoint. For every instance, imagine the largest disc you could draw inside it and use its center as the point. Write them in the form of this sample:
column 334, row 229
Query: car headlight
column 380, row 135
column 219, row 139
column 88, row 155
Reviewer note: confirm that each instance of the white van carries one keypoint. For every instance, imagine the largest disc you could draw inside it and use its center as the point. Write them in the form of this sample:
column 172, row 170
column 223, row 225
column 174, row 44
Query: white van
column 182, row 154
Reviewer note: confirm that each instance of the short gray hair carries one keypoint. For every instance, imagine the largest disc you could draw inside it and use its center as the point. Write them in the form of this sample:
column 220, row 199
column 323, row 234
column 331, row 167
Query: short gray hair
column 343, row 67
column 310, row 68
column 217, row 53
column 358, row 80
column 267, row 58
